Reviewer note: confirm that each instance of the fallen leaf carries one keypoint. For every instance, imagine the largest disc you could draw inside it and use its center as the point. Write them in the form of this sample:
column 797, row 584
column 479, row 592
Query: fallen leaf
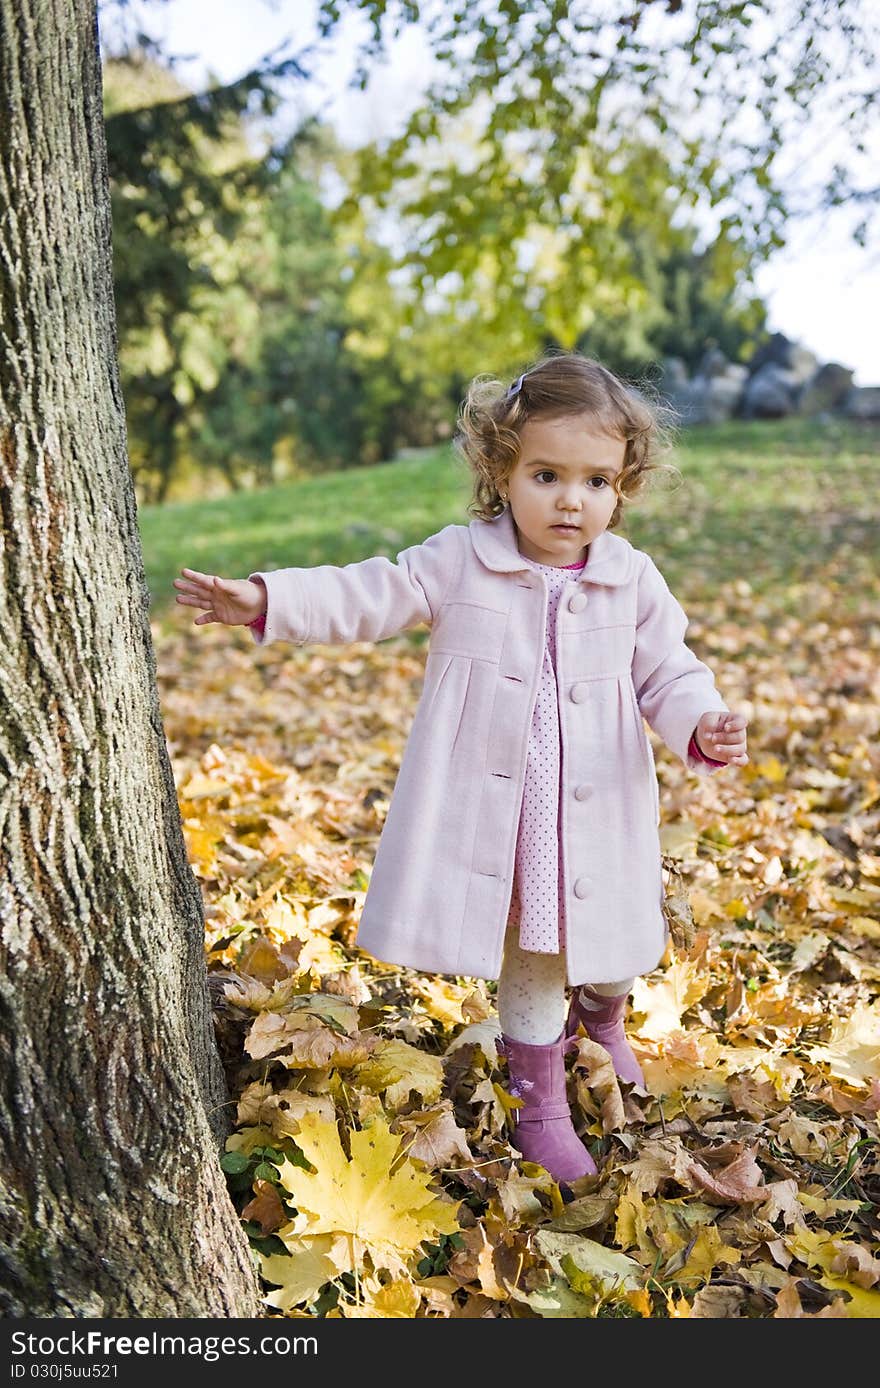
column 598, row 1075
column 587, row 1264
column 384, row 1213
column 853, row 1048
column 719, row 1302
column 854, row 1262
column 397, row 1069
column 266, row 1208
column 435, row 1138
column 662, row 1004
column 281, row 1110
column 299, row 1274
column 860, row 1304
column 788, row 1306
column 398, row 1299
column 301, row 1040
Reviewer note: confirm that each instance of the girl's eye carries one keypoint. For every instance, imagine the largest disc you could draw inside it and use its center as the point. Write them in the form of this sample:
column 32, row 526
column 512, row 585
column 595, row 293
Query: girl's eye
column 547, row 473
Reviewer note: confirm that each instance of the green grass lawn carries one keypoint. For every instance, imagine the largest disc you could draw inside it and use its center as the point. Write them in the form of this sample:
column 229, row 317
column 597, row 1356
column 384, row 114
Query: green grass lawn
column 762, row 501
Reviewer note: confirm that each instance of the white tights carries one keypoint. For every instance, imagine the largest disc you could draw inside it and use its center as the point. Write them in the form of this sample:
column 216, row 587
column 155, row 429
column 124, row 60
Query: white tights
column 531, row 992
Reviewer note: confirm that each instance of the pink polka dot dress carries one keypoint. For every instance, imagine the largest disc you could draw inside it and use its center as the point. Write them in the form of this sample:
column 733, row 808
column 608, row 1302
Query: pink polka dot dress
column 537, row 899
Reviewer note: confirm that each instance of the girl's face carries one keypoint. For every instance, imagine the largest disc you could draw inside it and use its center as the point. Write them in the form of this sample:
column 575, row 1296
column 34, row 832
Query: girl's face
column 565, row 473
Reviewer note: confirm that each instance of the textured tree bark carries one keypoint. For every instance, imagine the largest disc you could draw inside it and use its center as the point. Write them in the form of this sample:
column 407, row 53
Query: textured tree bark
column 112, row 1097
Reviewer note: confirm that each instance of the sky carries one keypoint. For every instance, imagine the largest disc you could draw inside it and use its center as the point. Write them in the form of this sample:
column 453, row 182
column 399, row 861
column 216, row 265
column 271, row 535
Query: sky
column 821, row 289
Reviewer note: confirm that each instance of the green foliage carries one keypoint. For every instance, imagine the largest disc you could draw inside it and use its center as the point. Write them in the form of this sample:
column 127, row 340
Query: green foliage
column 541, row 197
column 437, row 1255
column 564, row 78
column 230, row 302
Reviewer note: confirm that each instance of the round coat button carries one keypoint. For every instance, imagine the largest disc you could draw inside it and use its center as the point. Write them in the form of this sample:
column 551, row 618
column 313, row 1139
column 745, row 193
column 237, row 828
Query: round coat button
column 580, row 692
column 577, row 602
column 582, row 886
column 582, row 791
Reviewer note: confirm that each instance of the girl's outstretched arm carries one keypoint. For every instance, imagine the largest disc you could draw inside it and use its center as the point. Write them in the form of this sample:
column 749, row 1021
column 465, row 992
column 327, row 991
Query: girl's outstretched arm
column 365, row 601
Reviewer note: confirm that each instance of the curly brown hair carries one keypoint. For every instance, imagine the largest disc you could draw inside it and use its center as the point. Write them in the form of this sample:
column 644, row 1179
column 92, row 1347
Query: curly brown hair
column 559, row 385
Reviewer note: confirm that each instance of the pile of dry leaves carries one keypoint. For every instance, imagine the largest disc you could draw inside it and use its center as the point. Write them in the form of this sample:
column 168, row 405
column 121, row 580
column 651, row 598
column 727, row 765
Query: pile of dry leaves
column 370, row 1159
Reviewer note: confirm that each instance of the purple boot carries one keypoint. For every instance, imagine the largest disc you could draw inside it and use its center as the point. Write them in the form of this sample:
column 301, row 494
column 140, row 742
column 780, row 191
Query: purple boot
column 605, row 1025
column 544, row 1132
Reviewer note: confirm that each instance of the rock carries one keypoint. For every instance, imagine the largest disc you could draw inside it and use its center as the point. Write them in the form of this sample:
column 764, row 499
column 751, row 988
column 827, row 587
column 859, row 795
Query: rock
column 673, row 374
column 712, row 363
column 713, row 394
column 770, row 393
column 825, row 389
column 790, row 356
column 862, row 402
column 781, row 379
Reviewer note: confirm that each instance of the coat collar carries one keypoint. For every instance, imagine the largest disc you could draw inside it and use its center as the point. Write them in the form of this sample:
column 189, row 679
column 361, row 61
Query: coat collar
column 609, row 560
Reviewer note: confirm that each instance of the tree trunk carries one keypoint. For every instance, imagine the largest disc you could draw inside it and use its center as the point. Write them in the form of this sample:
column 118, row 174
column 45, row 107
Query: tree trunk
column 112, row 1095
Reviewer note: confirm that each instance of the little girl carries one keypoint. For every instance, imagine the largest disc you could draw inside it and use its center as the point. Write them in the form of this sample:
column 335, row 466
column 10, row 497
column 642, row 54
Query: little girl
column 521, row 839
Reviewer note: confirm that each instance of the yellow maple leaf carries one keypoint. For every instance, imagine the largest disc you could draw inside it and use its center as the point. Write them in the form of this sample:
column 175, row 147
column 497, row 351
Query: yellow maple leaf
column 200, row 787
column 834, row 1255
column 631, row 1223
column 736, row 908
column 853, row 1049
column 640, row 1301
column 662, row 1003
column 396, row 1300
column 396, row 1067
column 444, row 1000
column 826, row 1208
column 246, row 1139
column 708, row 1251
column 864, row 1303
column 300, row 1273
column 321, row 956
column 383, row 1213
column 864, row 925
column 288, row 919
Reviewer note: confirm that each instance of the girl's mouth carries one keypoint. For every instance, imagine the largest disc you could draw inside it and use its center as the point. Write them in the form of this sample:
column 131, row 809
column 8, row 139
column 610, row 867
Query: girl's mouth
column 567, row 529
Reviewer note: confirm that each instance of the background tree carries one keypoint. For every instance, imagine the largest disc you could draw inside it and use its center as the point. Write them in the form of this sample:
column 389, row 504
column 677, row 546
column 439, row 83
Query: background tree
column 112, row 1104
column 723, row 89
column 576, row 177
column 617, row 275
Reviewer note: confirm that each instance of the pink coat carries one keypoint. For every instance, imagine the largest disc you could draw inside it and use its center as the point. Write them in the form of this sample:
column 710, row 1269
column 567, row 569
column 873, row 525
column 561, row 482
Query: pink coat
column 441, row 883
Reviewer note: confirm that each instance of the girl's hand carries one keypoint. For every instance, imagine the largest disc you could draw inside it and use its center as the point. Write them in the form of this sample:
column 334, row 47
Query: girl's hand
column 233, row 601
column 722, row 736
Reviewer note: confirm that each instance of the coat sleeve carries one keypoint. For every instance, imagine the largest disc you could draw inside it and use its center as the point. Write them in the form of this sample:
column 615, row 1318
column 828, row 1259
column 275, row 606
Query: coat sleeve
column 672, row 686
column 365, row 601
